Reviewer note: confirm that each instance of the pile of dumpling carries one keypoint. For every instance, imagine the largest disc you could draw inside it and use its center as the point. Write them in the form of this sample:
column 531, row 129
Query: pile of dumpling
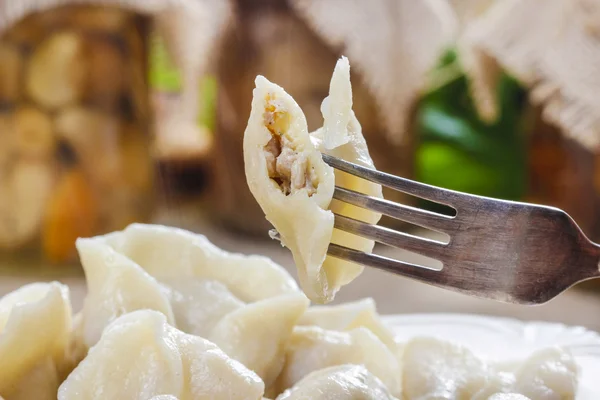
column 169, row 315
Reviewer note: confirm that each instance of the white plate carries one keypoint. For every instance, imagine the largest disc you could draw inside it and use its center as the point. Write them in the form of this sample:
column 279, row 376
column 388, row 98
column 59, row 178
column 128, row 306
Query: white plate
column 508, row 339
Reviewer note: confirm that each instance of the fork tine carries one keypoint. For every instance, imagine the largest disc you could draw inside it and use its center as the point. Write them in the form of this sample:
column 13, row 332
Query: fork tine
column 422, row 190
column 381, row 234
column 413, row 271
column 445, row 279
column 417, row 216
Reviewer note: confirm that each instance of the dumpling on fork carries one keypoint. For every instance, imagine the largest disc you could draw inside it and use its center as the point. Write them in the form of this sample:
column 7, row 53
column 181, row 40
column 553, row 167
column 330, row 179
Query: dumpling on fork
column 294, row 186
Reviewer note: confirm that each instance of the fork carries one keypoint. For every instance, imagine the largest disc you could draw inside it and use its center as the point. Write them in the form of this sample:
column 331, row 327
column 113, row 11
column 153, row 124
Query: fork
column 502, row 250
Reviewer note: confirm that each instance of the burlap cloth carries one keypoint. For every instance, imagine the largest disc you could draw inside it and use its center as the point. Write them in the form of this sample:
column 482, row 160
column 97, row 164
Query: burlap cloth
column 553, row 47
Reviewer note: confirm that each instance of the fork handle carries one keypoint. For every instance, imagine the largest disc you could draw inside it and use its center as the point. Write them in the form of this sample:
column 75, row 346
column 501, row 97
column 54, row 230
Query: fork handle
column 589, row 259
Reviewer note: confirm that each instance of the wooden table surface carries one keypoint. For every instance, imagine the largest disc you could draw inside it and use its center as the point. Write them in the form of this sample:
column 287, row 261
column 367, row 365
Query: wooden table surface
column 393, row 294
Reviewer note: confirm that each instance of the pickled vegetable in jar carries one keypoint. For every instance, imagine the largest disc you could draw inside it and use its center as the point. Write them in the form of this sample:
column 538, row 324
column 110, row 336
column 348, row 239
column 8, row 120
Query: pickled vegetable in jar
column 74, row 132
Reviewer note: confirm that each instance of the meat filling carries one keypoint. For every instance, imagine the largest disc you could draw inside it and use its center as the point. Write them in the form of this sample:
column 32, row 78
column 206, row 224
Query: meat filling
column 287, row 166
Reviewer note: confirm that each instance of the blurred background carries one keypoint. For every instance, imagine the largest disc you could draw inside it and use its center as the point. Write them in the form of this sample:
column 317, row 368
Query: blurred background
column 121, row 111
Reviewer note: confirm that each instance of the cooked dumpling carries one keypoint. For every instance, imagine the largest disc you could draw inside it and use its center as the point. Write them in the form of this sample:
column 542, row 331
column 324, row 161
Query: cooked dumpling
column 291, row 183
column 341, row 137
column 258, row 334
column 140, row 356
column 294, row 187
column 116, row 285
column 547, row 374
column 195, row 305
column 348, row 316
column 199, row 305
column 35, row 324
column 172, row 253
column 499, row 382
column 508, row 396
column 312, row 348
column 434, row 369
column 345, row 382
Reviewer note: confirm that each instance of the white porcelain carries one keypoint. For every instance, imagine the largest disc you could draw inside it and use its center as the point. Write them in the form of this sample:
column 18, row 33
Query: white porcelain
column 504, row 339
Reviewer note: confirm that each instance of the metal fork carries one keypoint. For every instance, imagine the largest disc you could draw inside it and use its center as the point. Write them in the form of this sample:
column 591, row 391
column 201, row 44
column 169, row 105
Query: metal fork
column 502, row 250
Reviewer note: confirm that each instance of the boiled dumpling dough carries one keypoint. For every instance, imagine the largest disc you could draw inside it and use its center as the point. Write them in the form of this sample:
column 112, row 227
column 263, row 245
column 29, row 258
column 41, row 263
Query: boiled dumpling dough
column 140, row 356
column 508, row 396
column 291, row 183
column 347, row 316
column 116, row 285
column 208, row 309
column 312, row 348
column 545, row 375
column 172, row 253
column 192, row 302
column 548, row 374
column 199, row 305
column 258, row 334
column 434, row 369
column 345, row 382
column 341, row 137
column 35, row 324
column 294, row 187
column 255, row 334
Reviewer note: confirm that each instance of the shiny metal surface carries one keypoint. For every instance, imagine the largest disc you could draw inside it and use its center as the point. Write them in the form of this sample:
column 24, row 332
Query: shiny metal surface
column 503, row 250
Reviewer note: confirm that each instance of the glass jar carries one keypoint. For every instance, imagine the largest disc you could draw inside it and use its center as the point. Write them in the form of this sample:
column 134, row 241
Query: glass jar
column 74, row 132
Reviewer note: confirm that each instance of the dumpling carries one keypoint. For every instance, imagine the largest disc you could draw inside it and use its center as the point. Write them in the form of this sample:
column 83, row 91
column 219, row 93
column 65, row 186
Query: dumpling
column 507, row 396
column 434, row 369
column 347, row 316
column 547, row 374
column 312, row 348
column 291, row 183
column 116, row 285
column 35, row 326
column 344, row 382
column 193, row 304
column 341, row 136
column 258, row 334
column 199, row 305
column 294, row 187
column 500, row 382
column 173, row 253
column 140, row 356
